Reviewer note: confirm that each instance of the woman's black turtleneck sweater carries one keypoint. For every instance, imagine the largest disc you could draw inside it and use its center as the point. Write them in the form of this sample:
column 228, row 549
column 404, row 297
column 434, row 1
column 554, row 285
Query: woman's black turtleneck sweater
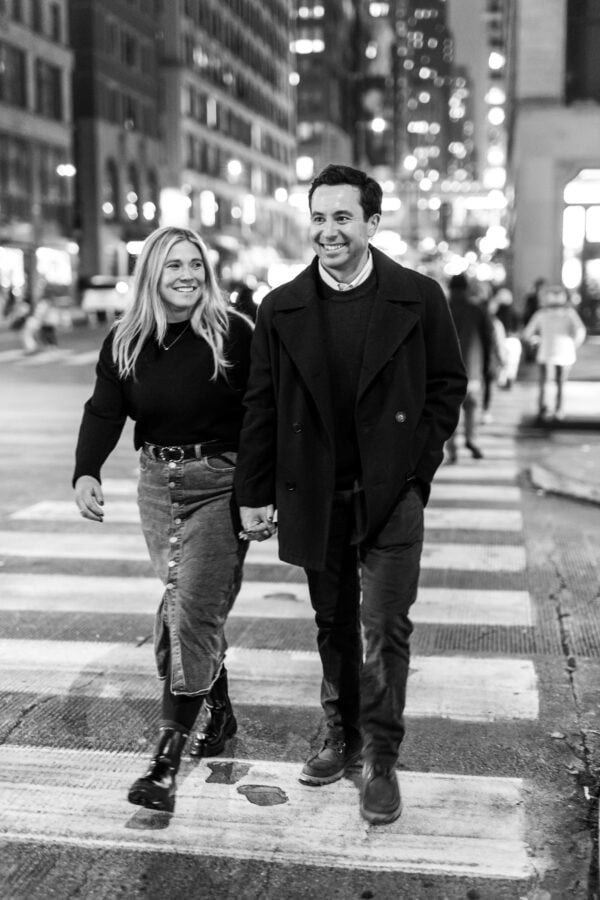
column 172, row 399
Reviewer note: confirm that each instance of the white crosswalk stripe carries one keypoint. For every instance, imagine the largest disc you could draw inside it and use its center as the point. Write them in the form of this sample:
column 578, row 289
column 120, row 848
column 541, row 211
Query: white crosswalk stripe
column 452, row 825
column 486, row 813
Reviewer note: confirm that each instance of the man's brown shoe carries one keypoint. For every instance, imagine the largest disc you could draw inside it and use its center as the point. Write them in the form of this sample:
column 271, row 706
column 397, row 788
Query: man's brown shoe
column 380, row 800
column 330, row 763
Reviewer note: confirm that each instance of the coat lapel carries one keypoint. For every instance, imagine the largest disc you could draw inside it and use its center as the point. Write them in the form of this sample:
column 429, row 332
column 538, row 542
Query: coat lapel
column 391, row 318
column 299, row 325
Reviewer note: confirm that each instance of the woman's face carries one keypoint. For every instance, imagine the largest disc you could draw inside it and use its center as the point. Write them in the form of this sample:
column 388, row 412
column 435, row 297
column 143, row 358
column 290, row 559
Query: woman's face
column 182, row 280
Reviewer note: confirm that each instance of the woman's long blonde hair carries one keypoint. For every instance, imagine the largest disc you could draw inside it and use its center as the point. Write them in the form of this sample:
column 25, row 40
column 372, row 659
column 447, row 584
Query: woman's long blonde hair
column 146, row 317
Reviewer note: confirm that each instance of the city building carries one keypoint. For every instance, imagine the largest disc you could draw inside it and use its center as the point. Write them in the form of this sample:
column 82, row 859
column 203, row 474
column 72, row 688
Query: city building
column 36, row 157
column 229, row 129
column 553, row 107
column 117, row 137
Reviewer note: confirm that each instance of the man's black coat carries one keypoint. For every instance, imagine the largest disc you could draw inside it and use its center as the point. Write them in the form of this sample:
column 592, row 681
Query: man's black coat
column 411, row 386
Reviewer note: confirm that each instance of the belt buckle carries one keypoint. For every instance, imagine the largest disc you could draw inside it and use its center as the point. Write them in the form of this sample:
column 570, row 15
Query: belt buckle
column 165, row 454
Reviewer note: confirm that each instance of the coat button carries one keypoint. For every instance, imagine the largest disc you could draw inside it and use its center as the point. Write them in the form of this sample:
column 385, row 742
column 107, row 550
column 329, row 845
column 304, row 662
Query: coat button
column 296, row 427
column 400, row 417
column 290, row 486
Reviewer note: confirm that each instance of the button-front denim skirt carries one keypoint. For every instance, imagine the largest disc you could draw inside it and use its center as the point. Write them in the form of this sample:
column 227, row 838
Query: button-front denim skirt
column 186, row 510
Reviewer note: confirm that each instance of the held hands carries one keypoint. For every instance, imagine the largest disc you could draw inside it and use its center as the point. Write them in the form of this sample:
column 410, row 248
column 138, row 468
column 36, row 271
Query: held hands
column 257, row 523
column 89, row 498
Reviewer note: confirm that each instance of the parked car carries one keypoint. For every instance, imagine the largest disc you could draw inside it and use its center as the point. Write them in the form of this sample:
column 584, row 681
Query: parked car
column 105, row 296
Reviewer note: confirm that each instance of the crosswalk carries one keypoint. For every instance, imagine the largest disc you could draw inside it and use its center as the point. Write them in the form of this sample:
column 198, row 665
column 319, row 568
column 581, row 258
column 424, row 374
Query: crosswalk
column 249, row 804
column 63, row 355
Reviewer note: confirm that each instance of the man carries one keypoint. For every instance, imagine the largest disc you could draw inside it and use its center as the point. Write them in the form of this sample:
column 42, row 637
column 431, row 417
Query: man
column 475, row 331
column 356, row 382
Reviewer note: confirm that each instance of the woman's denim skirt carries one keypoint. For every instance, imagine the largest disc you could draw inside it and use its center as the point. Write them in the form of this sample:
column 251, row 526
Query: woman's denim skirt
column 187, row 516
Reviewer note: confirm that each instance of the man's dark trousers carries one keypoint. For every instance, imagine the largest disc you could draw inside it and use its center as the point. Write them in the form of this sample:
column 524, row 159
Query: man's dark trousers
column 366, row 698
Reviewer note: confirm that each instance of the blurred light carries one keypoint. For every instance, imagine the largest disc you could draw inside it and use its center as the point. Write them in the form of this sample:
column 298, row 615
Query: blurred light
column 121, row 287
column 66, row 170
column 134, row 248
column 425, row 72
column 572, row 273
column 435, row 203
column 496, row 60
column 378, row 125
column 390, row 204
column 495, row 96
column 427, row 245
column 592, row 224
column 484, row 272
column 496, row 115
column 387, row 186
column 236, row 212
column 131, row 197
column 495, row 156
column 108, row 209
column 494, row 177
column 149, row 210
column 294, row 78
column 377, row 10
column 234, row 168
column 371, row 51
column 208, row 208
column 305, row 167
column 249, row 209
column 390, row 242
column 425, row 184
column 279, row 273
column 304, row 46
column 281, row 194
column 174, row 207
column 131, row 211
column 424, row 97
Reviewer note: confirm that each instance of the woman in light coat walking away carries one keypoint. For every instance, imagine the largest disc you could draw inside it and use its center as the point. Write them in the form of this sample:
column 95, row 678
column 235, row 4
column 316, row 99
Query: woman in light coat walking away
column 558, row 332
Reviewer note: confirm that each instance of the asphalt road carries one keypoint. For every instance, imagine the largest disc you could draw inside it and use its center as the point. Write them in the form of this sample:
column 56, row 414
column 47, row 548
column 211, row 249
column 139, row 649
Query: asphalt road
column 499, row 767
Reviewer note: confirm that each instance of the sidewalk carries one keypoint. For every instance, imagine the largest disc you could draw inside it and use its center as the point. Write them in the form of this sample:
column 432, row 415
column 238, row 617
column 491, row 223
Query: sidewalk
column 569, row 458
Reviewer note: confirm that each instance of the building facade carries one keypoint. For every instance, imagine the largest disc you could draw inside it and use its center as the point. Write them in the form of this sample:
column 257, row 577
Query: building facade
column 117, row 140
column 554, row 152
column 228, row 118
column 36, row 159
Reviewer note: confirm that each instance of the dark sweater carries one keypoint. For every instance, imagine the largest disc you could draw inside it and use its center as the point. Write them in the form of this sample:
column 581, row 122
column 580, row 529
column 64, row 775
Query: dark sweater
column 172, row 399
column 345, row 319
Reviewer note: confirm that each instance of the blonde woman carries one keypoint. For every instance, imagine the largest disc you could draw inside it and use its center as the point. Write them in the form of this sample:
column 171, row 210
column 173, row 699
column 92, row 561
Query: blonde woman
column 177, row 364
column 558, row 332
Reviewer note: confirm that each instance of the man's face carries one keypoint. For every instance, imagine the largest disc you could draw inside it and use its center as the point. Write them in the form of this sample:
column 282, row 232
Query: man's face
column 338, row 230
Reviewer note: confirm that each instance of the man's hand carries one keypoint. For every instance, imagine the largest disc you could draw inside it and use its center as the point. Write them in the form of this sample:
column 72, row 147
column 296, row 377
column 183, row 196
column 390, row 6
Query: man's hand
column 89, row 498
column 257, row 522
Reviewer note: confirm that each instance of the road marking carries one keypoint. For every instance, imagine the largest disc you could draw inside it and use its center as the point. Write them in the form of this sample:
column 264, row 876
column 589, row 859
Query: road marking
column 82, row 359
column 46, row 356
column 10, row 355
column 109, row 595
column 451, row 824
column 45, row 545
column 125, row 511
column 486, row 472
column 480, row 492
column 458, row 687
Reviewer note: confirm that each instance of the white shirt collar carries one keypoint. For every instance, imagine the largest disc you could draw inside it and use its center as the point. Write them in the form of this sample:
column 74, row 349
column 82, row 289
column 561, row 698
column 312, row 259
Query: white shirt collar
column 340, row 285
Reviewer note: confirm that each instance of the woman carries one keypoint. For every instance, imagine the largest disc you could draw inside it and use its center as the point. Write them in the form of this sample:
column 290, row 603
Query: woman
column 558, row 332
column 177, row 364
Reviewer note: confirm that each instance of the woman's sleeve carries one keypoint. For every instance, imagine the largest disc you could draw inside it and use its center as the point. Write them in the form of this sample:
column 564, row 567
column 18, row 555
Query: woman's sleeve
column 104, row 416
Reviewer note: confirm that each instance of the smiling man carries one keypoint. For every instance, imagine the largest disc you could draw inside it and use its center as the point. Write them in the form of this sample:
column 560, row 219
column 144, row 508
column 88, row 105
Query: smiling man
column 356, row 382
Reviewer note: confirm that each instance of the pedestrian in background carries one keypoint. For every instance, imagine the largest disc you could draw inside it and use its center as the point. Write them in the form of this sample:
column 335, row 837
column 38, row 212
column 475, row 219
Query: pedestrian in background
column 356, row 382
column 531, row 306
column 244, row 302
column 507, row 315
column 476, row 336
column 177, row 364
column 556, row 331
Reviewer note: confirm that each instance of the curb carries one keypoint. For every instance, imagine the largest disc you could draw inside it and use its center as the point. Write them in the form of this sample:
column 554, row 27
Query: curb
column 553, row 483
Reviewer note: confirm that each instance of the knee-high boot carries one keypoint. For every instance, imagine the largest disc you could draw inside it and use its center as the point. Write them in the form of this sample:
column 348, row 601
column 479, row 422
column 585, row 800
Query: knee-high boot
column 221, row 723
column 156, row 789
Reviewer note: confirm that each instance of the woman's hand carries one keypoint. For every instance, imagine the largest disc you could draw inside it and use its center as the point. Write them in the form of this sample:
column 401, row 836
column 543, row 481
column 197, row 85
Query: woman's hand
column 89, row 498
column 257, row 523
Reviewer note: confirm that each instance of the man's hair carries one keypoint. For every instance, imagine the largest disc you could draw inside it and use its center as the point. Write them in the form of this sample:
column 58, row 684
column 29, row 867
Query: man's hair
column 370, row 190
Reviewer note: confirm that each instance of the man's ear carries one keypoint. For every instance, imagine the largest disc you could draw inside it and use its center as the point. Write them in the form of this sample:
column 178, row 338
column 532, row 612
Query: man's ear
column 373, row 224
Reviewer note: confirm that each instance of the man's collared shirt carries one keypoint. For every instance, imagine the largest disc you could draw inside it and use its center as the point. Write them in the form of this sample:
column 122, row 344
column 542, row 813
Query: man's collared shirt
column 339, row 285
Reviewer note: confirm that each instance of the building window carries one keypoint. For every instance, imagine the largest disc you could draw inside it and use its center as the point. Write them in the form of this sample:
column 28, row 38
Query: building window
column 581, row 244
column 583, row 59
column 48, row 90
column 55, row 23
column 37, row 18
column 13, row 84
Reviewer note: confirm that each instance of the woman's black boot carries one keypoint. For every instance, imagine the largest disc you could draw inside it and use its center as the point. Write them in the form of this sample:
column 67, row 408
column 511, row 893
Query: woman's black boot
column 221, row 721
column 156, row 789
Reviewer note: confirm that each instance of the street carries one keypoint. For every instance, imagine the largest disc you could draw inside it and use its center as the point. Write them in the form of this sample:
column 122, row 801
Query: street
column 499, row 767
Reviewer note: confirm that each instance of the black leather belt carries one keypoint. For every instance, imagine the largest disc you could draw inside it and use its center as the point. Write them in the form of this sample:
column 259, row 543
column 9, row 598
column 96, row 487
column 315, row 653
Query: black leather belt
column 179, row 452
